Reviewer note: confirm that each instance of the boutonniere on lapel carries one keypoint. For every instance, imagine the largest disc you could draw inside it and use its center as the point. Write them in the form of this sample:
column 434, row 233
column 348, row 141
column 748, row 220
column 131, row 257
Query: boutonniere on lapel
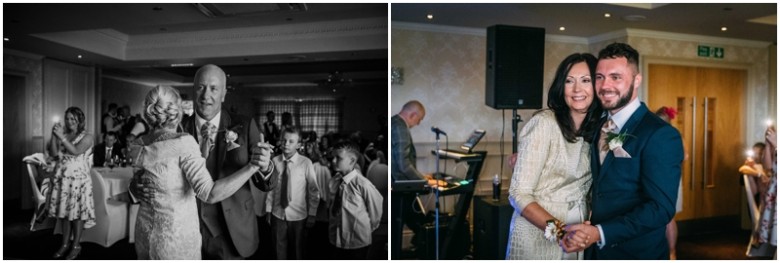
column 616, row 144
column 230, row 137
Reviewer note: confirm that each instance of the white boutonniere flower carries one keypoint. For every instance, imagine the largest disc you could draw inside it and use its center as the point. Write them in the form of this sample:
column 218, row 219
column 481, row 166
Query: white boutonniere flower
column 230, row 138
column 615, row 142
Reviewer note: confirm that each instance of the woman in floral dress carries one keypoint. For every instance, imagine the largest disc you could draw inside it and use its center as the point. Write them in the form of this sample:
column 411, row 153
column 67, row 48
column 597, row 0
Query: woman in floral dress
column 71, row 188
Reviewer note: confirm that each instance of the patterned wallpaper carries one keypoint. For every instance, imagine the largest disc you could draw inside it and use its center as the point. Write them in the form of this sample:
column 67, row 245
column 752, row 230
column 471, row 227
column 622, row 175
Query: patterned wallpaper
column 446, row 72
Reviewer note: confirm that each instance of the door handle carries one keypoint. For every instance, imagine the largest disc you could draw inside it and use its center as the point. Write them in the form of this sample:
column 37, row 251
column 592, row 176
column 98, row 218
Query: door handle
column 693, row 146
column 706, row 144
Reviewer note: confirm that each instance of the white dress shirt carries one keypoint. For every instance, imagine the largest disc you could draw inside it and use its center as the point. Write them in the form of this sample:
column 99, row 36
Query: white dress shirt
column 361, row 211
column 302, row 190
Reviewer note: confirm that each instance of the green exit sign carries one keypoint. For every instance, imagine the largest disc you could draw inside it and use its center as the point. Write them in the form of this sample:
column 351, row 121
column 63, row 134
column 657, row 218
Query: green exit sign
column 710, row 52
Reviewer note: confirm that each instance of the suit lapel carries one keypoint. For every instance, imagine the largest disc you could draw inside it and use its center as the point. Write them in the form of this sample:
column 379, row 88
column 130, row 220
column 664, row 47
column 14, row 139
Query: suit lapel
column 188, row 126
column 224, row 124
column 628, row 128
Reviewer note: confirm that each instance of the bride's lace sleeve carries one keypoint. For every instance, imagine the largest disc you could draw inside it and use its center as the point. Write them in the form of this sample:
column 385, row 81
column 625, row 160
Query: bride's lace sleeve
column 193, row 165
column 533, row 150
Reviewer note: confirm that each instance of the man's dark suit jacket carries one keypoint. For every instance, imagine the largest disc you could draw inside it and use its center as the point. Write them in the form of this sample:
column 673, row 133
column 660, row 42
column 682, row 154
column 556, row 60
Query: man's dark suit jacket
column 238, row 209
column 99, row 153
column 404, row 156
column 634, row 198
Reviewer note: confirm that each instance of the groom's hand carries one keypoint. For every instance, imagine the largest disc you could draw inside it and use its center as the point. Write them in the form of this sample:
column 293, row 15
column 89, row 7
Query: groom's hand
column 261, row 155
column 579, row 237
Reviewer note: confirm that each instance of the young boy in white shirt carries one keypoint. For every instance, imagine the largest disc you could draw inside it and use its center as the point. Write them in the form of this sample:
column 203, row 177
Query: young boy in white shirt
column 293, row 203
column 355, row 206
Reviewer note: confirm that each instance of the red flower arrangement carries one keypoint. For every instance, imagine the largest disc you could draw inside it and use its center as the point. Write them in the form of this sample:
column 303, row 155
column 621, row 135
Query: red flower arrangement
column 671, row 112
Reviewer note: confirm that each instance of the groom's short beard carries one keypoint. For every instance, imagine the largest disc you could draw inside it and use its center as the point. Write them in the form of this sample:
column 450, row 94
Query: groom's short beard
column 624, row 100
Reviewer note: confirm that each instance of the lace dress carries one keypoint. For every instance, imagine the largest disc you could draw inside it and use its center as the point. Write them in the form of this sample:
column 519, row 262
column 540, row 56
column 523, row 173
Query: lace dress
column 553, row 173
column 71, row 188
column 167, row 227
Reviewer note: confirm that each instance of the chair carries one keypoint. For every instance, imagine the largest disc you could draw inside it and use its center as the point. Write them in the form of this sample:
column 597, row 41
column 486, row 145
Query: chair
column 39, row 200
column 111, row 217
column 765, row 249
column 377, row 174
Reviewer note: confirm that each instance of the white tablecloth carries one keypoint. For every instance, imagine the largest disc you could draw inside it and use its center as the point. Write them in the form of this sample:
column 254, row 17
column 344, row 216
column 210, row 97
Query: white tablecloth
column 116, row 180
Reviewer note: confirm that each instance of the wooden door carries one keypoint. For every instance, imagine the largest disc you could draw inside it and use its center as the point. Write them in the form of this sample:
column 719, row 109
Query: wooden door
column 709, row 102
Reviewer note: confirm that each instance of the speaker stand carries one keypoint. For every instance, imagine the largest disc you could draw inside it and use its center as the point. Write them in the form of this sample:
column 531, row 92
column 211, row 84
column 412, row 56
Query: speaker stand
column 516, row 118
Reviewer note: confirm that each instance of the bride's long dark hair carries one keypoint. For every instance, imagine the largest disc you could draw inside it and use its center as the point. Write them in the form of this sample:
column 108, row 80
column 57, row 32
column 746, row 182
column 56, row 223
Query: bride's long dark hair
column 556, row 100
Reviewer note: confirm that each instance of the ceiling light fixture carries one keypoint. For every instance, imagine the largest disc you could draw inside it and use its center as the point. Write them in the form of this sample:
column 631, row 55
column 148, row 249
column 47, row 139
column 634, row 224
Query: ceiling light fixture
column 724, row 29
column 6, row 39
column 430, row 16
column 607, row 15
column 335, row 80
column 79, row 56
column 181, row 65
column 157, row 8
column 562, row 28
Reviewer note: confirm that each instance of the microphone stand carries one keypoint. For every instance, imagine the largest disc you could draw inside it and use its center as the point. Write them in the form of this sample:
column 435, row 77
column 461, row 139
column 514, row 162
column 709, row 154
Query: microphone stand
column 436, row 189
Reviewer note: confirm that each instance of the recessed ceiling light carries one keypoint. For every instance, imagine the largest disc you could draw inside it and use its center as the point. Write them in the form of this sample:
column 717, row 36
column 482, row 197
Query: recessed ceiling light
column 430, row 16
column 79, row 56
column 157, row 8
column 562, row 28
column 607, row 15
column 181, row 65
column 6, row 39
column 724, row 29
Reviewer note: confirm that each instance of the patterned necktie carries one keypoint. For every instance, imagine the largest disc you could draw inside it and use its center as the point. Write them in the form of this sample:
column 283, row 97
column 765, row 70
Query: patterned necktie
column 609, row 126
column 335, row 209
column 206, row 142
column 108, row 153
column 283, row 198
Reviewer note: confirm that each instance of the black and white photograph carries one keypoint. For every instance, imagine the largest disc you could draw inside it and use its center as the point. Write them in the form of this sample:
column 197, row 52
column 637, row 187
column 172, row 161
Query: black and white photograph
column 195, row 131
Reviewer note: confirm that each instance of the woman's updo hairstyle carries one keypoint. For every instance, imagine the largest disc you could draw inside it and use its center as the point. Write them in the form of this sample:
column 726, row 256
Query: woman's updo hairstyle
column 163, row 107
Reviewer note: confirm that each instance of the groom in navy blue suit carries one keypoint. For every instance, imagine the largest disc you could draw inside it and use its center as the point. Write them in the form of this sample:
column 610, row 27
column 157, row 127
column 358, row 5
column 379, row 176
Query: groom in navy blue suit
column 636, row 176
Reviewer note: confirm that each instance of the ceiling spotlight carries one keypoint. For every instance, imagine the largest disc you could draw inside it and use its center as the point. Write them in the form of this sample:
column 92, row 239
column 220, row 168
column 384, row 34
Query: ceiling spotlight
column 79, row 56
column 607, row 15
column 724, row 29
column 430, row 16
column 562, row 28
column 6, row 39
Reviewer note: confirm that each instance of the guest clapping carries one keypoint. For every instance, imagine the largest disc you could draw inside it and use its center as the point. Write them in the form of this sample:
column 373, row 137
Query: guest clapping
column 71, row 188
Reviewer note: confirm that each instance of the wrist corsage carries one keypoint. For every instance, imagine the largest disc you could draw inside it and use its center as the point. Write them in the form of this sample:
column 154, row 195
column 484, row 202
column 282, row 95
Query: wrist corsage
column 555, row 230
column 230, row 138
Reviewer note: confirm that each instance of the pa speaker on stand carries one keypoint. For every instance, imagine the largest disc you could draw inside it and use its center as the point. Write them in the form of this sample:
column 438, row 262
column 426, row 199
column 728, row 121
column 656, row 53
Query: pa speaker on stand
column 515, row 67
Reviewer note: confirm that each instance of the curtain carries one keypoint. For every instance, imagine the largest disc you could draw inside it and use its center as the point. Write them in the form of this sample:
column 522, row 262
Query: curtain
column 319, row 115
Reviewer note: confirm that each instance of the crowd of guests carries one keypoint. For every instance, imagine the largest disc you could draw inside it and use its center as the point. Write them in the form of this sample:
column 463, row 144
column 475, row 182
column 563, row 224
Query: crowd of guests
column 210, row 186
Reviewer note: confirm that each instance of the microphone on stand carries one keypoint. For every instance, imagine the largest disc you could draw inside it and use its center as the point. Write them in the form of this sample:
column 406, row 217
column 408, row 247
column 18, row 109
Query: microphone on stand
column 438, row 131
